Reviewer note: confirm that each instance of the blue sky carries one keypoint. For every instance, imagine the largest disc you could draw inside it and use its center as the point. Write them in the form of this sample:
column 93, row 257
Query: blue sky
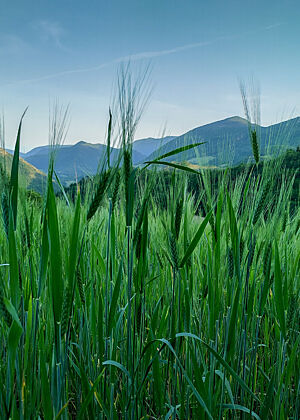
column 198, row 50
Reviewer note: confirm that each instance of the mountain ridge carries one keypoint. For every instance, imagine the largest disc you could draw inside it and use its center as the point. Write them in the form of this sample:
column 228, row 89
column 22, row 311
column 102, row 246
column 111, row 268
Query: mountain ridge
column 226, row 143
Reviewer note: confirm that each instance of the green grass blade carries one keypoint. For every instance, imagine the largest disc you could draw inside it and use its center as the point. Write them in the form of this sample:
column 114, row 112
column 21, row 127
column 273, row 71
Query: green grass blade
column 223, row 363
column 196, row 239
column 56, row 283
column 174, row 165
column 13, row 265
column 109, row 132
column 279, row 304
column 119, row 366
column 114, row 300
column 176, row 151
column 195, row 392
column 14, row 177
column 241, row 408
column 62, row 188
column 74, row 240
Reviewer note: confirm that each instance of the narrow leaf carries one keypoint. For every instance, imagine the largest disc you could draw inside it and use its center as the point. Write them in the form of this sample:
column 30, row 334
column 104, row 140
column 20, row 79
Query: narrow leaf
column 279, row 305
column 178, row 150
column 174, row 165
column 14, row 177
column 196, row 239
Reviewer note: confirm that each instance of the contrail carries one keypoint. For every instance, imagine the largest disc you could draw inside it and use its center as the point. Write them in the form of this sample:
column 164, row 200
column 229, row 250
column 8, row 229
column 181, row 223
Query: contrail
column 275, row 25
column 137, row 57
column 133, row 57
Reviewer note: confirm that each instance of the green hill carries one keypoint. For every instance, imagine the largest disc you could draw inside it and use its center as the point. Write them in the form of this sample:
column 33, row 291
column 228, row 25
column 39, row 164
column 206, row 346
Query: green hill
column 29, row 176
column 74, row 161
column 227, row 142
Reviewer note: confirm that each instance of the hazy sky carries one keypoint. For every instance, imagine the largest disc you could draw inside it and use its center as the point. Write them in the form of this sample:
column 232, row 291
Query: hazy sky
column 70, row 50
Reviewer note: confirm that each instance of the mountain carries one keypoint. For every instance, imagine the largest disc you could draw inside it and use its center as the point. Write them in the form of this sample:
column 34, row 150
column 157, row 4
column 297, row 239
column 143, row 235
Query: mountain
column 29, row 176
column 227, row 142
column 82, row 159
column 149, row 145
column 74, row 161
column 71, row 161
column 11, row 152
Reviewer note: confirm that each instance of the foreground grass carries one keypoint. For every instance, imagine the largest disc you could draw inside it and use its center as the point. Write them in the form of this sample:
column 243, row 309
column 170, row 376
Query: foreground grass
column 133, row 303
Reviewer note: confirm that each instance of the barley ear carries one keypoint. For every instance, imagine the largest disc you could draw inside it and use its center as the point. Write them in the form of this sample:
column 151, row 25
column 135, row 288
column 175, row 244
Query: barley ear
column 98, row 196
column 178, row 216
column 80, row 286
column 116, row 190
column 173, row 252
column 66, row 310
column 261, row 203
column 255, row 145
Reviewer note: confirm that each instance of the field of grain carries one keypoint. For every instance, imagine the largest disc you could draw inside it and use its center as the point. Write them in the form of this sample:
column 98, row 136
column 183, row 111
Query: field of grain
column 139, row 300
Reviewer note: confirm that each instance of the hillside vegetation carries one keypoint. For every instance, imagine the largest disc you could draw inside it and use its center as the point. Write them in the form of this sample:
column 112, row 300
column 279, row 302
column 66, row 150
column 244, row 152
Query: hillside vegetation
column 30, row 177
column 289, row 162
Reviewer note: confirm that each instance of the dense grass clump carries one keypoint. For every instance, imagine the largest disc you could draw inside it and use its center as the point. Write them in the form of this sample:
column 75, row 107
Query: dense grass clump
column 148, row 299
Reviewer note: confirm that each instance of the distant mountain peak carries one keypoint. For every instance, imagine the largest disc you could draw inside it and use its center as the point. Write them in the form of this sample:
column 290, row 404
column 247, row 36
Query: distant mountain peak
column 233, row 119
column 81, row 143
column 237, row 118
